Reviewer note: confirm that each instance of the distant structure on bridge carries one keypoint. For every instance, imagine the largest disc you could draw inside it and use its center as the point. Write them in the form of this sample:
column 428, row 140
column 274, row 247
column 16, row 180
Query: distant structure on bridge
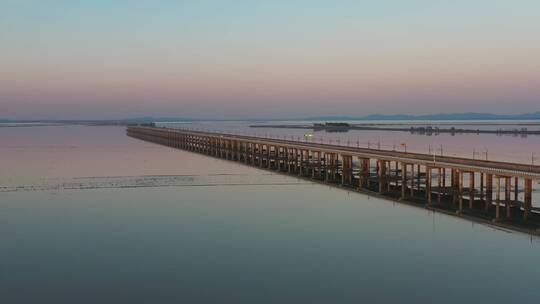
column 497, row 193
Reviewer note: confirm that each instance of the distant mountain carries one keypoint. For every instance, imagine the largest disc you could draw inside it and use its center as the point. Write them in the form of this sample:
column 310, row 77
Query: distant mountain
column 440, row 116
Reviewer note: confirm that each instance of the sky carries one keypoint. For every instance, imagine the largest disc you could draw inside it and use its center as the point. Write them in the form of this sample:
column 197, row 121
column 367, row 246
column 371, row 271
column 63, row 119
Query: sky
column 105, row 59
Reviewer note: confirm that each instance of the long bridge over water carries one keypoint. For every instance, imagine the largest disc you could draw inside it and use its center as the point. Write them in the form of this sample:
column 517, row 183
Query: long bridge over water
column 499, row 193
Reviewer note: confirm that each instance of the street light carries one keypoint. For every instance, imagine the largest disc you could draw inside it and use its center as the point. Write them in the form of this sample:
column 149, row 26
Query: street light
column 404, row 145
column 441, row 150
column 474, row 153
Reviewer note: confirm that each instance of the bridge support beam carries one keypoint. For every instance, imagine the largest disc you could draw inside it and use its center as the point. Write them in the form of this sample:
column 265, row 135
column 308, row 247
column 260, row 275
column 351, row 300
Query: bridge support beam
column 363, row 172
column 439, row 185
column 382, row 175
column 471, row 190
column 489, row 192
column 428, row 185
column 403, row 180
column 346, row 171
column 460, row 190
column 507, row 195
column 497, row 197
column 527, row 199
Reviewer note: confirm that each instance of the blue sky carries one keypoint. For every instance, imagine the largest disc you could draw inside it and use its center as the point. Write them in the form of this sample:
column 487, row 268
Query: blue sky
column 229, row 59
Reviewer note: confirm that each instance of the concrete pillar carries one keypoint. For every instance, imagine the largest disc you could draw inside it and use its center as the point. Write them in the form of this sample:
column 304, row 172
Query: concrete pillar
column 439, row 182
column 244, row 151
column 497, row 197
column 333, row 167
column 412, row 180
column 428, row 185
column 481, row 187
column 319, row 165
column 527, row 199
column 489, row 191
column 301, row 162
column 368, row 176
column 269, row 156
column 313, row 164
column 471, row 190
column 507, row 195
column 453, row 185
column 346, row 170
column 444, row 180
column 460, row 193
column 403, row 179
column 260, row 154
column 288, row 156
column 382, row 175
column 277, row 158
column 516, row 188
column 324, row 159
column 343, row 170
column 418, row 177
column 388, row 175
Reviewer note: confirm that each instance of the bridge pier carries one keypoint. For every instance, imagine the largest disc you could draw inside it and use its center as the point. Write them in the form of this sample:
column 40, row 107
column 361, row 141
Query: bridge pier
column 527, row 199
column 460, row 192
column 498, row 198
column 489, row 192
column 507, row 195
column 403, row 180
column 429, row 178
column 382, row 175
column 347, row 170
column 471, row 190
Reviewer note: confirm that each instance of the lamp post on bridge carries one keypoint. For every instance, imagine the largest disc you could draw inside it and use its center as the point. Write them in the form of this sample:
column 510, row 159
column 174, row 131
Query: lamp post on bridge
column 440, row 150
column 474, row 153
column 404, row 145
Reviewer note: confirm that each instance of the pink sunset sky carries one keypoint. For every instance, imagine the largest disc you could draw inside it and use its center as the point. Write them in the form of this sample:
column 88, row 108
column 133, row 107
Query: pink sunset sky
column 275, row 59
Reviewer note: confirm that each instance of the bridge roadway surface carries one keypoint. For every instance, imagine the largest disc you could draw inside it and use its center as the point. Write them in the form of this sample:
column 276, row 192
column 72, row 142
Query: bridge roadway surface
column 465, row 164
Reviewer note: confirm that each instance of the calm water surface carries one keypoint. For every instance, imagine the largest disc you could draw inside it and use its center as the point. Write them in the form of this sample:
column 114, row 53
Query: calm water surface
column 88, row 215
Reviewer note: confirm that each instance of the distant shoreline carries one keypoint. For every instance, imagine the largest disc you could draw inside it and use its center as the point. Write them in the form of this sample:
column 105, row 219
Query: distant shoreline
column 426, row 129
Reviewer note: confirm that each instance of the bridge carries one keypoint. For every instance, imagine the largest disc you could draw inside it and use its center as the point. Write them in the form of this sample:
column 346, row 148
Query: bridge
column 498, row 193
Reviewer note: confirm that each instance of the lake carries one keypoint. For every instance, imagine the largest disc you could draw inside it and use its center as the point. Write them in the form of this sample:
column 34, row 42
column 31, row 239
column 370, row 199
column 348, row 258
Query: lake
column 89, row 215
